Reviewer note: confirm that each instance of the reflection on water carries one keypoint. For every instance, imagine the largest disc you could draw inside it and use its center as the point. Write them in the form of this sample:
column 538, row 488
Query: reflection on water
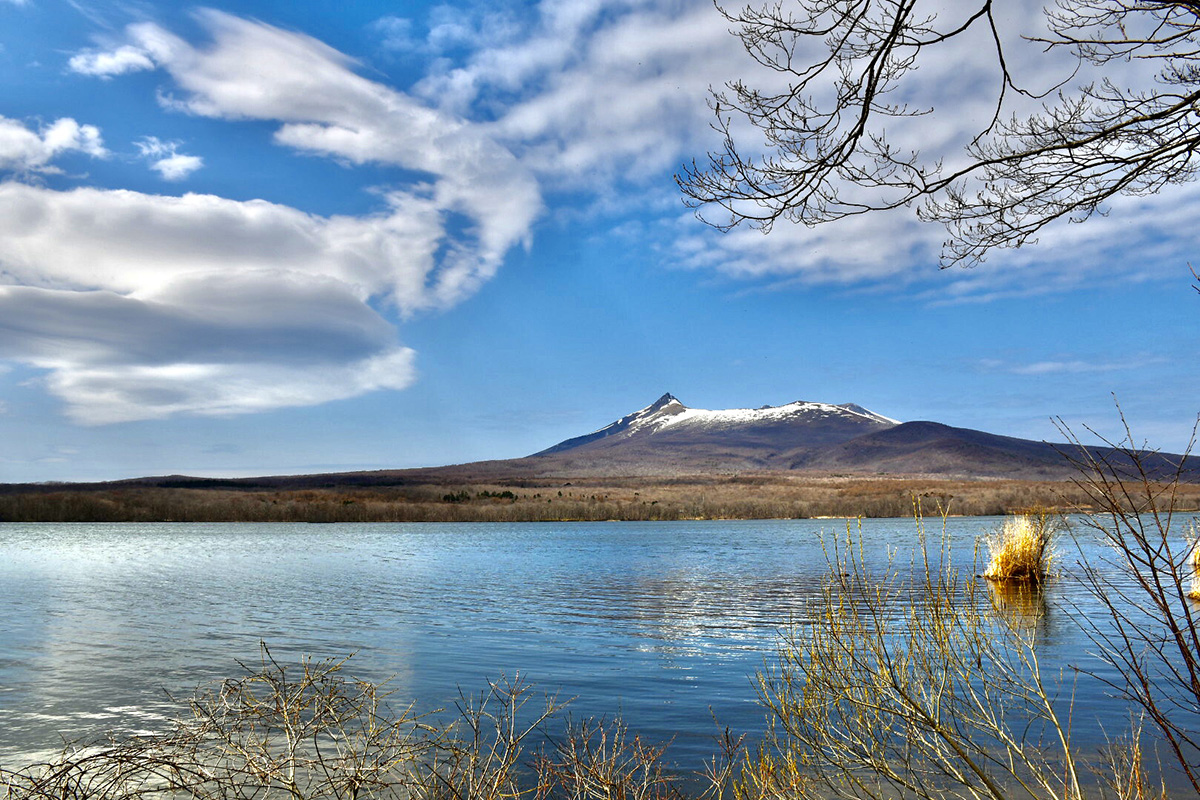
column 664, row 623
column 1022, row 603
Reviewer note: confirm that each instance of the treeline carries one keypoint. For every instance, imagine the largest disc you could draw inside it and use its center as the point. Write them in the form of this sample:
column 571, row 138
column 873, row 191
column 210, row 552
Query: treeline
column 741, row 497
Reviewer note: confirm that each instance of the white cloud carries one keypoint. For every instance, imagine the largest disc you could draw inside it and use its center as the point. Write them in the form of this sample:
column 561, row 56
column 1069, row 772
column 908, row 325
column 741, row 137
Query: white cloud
column 166, row 160
column 128, row 242
column 142, row 306
column 108, row 394
column 600, row 91
column 114, row 62
column 1148, row 238
column 177, row 167
column 1072, row 367
column 857, row 250
column 25, row 150
column 153, row 147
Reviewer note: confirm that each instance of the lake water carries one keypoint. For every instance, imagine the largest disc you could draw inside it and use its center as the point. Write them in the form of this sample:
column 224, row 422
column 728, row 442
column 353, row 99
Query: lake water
column 662, row 623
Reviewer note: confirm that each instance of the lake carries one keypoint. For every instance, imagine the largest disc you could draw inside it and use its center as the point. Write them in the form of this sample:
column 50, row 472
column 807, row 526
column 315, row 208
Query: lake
column 663, row 623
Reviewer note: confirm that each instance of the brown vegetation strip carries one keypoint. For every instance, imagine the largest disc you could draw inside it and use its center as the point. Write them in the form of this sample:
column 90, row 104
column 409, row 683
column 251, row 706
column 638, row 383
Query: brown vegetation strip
column 705, row 497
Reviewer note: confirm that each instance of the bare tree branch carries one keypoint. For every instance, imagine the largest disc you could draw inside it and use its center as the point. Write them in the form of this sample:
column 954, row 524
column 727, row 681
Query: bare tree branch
column 827, row 155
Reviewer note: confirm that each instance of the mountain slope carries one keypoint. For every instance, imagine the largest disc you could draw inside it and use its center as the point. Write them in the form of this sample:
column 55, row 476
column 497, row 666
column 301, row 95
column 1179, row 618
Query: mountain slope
column 931, row 448
column 934, row 448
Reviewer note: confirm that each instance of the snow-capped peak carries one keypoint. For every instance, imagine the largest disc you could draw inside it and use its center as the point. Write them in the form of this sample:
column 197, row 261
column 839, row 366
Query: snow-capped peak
column 668, row 413
column 661, row 403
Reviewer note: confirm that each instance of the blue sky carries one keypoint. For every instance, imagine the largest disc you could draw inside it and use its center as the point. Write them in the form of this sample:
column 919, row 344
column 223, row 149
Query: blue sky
column 277, row 237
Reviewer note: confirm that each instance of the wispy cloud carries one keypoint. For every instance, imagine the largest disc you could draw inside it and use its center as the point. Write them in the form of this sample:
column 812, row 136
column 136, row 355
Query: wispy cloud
column 609, row 97
column 1069, row 366
column 593, row 93
column 166, row 160
column 326, row 109
column 396, row 33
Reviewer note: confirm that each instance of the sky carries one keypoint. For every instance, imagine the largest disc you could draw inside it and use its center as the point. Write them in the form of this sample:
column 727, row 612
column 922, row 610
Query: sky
column 271, row 237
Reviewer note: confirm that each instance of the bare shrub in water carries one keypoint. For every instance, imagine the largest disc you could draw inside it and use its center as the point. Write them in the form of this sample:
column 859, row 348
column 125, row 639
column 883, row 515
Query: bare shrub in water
column 1126, row 775
column 276, row 732
column 1149, row 633
column 302, row 733
column 908, row 685
column 915, row 683
column 595, row 760
column 1020, row 550
column 307, row 732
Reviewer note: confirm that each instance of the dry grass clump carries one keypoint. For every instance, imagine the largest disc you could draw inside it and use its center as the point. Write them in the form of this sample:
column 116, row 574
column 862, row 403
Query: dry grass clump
column 1021, row 549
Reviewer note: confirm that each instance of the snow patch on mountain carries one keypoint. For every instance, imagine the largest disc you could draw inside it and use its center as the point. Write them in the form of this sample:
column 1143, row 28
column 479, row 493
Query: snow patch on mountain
column 657, row 417
column 668, row 413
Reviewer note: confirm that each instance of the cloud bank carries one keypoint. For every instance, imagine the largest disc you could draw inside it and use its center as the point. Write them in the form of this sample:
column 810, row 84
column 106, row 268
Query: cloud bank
column 208, row 344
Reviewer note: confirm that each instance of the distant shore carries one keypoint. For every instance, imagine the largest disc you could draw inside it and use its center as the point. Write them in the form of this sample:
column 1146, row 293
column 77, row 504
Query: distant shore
column 765, row 496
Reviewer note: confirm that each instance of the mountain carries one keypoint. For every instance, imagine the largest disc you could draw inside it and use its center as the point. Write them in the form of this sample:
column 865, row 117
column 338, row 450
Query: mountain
column 668, row 438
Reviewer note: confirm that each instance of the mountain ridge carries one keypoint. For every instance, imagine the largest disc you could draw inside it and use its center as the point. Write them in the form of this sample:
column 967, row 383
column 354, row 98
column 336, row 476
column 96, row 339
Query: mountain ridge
column 668, row 438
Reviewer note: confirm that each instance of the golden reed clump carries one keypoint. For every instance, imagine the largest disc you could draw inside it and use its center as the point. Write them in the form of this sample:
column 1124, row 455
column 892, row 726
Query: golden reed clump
column 1020, row 549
